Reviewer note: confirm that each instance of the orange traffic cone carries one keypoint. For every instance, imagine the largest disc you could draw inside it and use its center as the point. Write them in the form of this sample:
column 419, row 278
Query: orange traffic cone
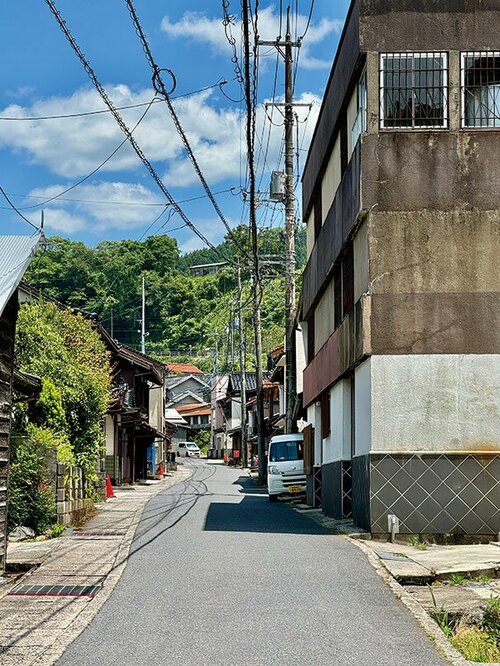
column 109, row 488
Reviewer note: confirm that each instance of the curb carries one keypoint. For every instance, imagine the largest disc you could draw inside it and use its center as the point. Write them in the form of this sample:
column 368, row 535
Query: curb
column 86, row 616
column 418, row 612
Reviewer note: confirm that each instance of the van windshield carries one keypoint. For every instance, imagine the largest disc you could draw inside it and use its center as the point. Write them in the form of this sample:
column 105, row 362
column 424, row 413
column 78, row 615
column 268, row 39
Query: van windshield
column 281, row 451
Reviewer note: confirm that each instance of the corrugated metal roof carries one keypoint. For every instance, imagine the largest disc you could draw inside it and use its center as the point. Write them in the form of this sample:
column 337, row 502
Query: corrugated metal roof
column 16, row 253
column 173, row 416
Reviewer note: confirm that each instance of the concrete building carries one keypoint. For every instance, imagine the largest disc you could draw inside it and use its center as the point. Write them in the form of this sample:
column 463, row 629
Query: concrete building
column 401, row 292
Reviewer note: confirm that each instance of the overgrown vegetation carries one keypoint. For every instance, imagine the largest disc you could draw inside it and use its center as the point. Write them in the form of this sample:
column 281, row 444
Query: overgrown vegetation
column 183, row 312
column 64, row 424
column 416, row 541
column 202, row 439
column 476, row 643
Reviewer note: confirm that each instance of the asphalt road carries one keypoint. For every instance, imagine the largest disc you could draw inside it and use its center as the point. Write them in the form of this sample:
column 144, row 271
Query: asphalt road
column 217, row 575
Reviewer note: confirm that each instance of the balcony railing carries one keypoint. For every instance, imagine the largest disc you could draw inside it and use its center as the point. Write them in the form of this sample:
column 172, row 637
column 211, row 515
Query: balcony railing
column 334, row 232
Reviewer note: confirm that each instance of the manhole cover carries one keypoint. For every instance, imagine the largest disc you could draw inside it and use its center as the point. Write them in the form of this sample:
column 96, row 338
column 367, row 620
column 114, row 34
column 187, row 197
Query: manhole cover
column 54, row 590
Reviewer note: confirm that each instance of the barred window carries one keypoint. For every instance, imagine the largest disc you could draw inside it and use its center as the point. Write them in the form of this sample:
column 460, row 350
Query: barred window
column 481, row 89
column 413, row 90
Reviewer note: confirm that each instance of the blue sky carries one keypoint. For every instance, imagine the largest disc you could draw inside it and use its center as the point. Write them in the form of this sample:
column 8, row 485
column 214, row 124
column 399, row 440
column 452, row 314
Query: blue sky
column 41, row 76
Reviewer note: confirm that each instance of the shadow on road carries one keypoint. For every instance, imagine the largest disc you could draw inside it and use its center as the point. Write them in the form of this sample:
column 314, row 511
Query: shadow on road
column 256, row 514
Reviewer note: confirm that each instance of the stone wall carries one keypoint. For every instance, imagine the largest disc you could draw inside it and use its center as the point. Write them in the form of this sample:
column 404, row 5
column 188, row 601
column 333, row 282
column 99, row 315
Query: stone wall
column 74, row 494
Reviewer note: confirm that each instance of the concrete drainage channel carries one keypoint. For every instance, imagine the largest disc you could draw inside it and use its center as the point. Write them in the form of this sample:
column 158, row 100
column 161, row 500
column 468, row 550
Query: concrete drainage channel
column 446, row 588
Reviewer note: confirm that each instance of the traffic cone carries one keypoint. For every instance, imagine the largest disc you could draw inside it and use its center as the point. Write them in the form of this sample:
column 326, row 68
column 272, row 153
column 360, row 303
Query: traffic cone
column 109, row 488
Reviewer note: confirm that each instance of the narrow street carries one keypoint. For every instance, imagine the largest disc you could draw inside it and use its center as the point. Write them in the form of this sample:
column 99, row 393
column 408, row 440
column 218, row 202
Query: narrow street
column 217, row 575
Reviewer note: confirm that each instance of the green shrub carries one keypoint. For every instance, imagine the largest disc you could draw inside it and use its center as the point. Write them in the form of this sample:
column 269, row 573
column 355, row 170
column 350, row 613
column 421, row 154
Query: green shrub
column 476, row 645
column 31, row 498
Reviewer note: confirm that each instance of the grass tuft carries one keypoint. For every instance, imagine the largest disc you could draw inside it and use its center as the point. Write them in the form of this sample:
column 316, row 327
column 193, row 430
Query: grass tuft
column 476, row 645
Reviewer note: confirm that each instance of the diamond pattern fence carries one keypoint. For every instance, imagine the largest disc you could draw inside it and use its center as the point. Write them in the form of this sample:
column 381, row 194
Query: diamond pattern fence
column 436, row 493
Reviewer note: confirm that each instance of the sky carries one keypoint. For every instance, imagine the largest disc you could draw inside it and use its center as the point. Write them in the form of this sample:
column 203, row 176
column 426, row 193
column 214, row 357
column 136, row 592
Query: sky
column 41, row 76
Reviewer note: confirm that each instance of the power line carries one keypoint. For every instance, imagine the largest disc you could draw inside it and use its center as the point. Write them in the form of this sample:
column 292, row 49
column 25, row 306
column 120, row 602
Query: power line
column 94, row 171
column 16, row 210
column 118, row 203
column 308, row 21
column 160, row 88
column 82, row 114
column 124, row 128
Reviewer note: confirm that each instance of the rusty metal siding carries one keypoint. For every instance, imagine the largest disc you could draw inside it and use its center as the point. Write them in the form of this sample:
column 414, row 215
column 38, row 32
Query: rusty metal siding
column 347, row 61
column 334, row 233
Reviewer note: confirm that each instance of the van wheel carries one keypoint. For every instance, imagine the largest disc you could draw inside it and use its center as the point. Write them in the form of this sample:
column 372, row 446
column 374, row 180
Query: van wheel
column 187, row 454
column 273, row 498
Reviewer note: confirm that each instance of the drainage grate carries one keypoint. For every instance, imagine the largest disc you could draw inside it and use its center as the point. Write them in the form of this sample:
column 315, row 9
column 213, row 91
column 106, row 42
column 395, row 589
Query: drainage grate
column 396, row 557
column 89, row 534
column 54, row 590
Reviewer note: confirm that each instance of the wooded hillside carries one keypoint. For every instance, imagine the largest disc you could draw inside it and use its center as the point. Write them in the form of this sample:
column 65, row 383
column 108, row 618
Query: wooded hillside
column 184, row 312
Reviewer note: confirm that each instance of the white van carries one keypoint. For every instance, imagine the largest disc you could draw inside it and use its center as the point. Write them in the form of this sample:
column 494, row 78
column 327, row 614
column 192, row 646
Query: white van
column 188, row 450
column 285, row 466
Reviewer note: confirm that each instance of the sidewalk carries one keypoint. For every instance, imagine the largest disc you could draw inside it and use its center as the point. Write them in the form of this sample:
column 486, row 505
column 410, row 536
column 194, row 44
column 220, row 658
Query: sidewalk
column 75, row 576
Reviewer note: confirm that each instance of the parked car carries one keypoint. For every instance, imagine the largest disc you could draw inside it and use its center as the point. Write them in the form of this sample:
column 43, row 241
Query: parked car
column 285, row 471
column 188, row 450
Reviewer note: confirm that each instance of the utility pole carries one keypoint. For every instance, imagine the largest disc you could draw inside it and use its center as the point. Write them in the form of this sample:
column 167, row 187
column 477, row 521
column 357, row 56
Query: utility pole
column 244, row 437
column 257, row 285
column 143, row 320
column 111, row 324
column 231, row 332
column 290, row 308
column 289, row 199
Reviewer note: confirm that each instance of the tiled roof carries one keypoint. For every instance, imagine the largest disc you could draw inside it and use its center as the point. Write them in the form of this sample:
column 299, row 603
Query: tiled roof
column 183, row 368
column 16, row 253
column 194, row 409
column 250, row 382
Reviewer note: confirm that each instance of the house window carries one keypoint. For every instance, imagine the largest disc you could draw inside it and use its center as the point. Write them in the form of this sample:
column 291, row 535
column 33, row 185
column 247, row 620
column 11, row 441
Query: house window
column 480, row 78
column 413, row 90
column 360, row 122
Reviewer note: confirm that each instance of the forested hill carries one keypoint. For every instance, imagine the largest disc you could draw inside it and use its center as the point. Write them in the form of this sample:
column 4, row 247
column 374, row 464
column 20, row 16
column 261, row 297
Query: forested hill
column 184, row 313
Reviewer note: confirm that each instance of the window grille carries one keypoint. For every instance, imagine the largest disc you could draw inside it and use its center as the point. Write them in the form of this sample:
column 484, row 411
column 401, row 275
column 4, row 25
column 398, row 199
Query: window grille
column 413, row 90
column 480, row 77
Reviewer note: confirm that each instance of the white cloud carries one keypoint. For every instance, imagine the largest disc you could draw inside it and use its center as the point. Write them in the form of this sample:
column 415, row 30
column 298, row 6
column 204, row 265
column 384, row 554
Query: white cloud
column 103, row 206
column 199, row 27
column 73, row 147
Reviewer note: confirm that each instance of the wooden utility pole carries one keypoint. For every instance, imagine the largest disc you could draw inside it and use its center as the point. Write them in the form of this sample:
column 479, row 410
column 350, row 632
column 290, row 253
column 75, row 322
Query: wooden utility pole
column 244, row 437
column 290, row 308
column 289, row 200
column 257, row 285
column 143, row 319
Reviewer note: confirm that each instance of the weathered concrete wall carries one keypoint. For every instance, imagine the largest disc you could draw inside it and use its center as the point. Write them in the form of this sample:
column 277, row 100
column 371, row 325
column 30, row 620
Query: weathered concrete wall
column 438, row 402
column 440, row 170
column 435, row 25
column 435, row 282
column 455, row 251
